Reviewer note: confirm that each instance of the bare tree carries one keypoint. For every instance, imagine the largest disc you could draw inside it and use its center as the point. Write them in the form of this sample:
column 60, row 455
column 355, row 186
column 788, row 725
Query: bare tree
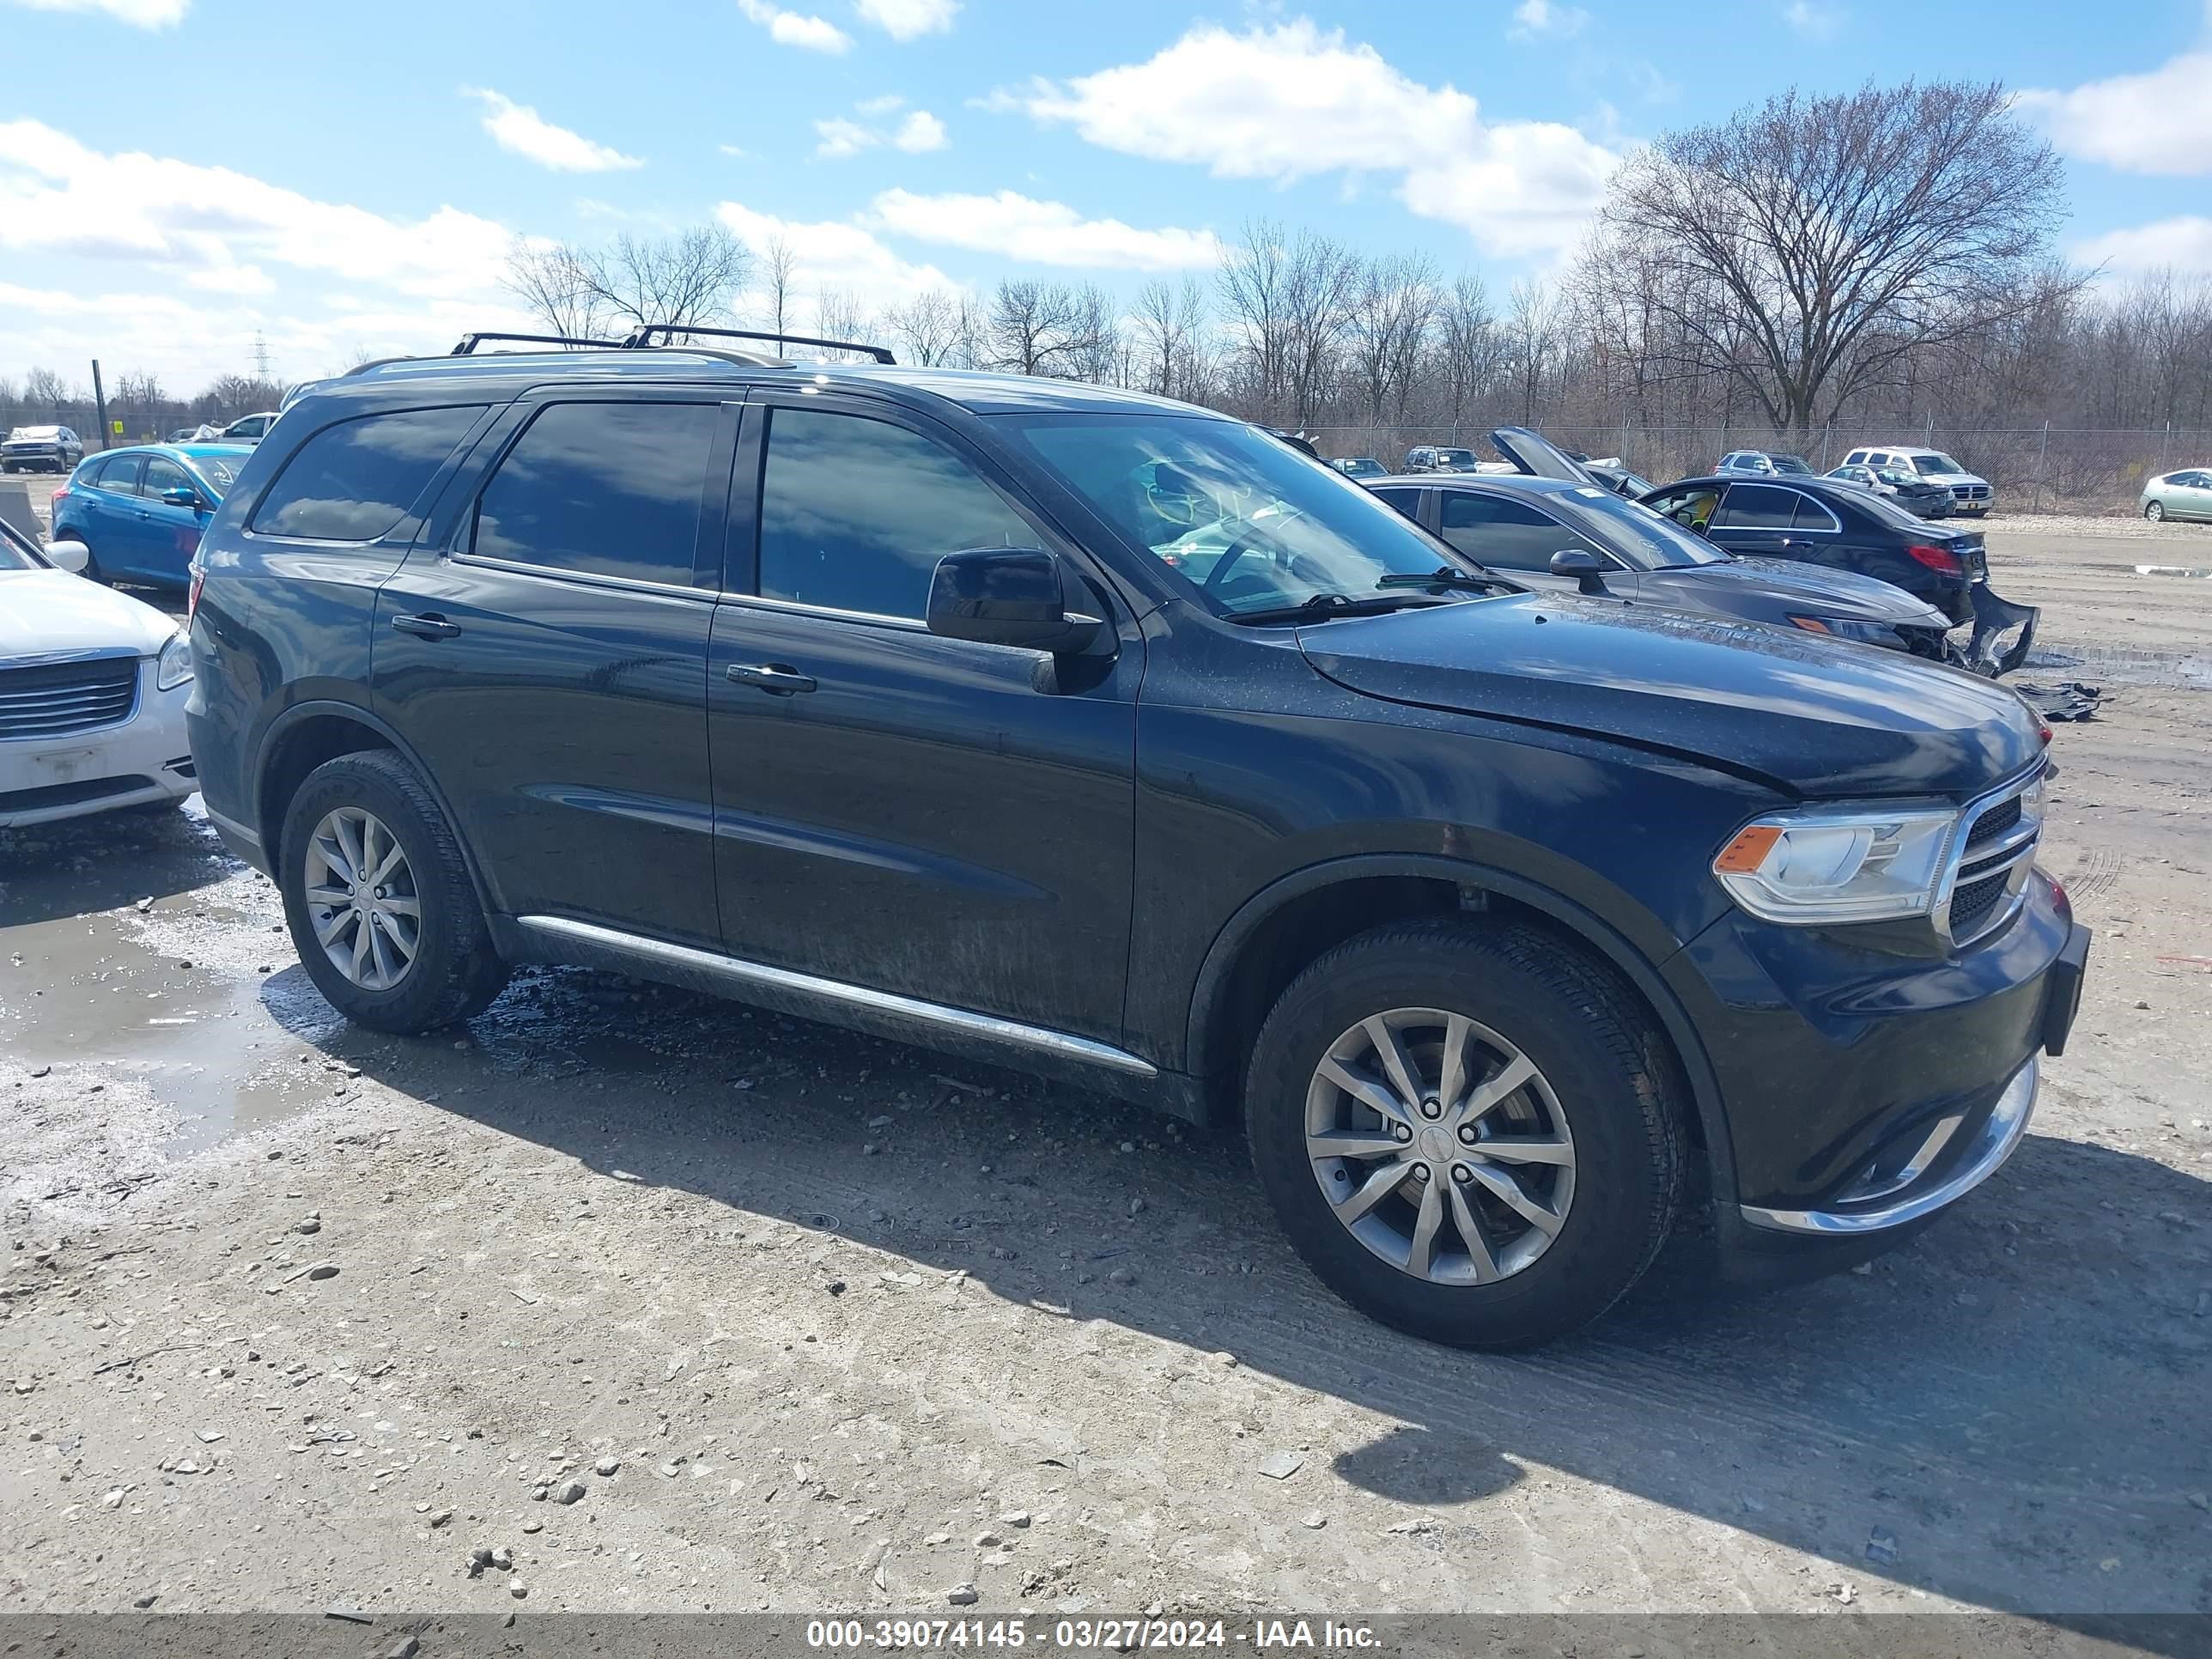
column 1252, row 280
column 1168, row 334
column 1041, row 328
column 927, row 327
column 1392, row 317
column 44, row 389
column 839, row 315
column 694, row 276
column 1842, row 233
column 1533, row 326
column 779, row 271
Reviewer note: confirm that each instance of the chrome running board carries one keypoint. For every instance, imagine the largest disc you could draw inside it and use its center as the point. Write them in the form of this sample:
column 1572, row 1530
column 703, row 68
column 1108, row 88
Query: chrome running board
column 741, row 977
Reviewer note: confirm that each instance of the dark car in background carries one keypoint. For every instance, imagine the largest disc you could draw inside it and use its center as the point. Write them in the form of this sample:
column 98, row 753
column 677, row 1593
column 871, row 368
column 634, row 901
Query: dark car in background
column 1914, row 494
column 1123, row 742
column 1619, row 479
column 1764, row 462
column 1361, row 466
column 1559, row 535
column 141, row 510
column 1843, row 526
column 1427, row 457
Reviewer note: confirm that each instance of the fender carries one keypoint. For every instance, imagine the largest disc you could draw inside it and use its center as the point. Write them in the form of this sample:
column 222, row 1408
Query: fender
column 1592, row 929
column 361, row 715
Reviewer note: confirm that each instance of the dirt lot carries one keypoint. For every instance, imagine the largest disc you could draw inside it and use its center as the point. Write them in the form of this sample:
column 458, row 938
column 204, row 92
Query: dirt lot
column 685, row 1307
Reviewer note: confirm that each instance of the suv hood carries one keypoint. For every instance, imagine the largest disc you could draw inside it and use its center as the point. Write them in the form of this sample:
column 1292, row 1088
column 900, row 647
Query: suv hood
column 53, row 613
column 1538, row 457
column 1813, row 718
column 1816, row 590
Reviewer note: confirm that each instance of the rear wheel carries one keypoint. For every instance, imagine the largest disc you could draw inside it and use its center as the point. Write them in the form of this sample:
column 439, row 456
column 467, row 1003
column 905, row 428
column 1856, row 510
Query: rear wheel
column 1469, row 1132
column 379, row 901
column 92, row 571
column 2154, row 511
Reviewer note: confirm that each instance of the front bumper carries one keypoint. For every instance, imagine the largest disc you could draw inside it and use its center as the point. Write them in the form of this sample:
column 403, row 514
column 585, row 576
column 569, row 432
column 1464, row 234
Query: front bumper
column 143, row 760
column 1869, row 1088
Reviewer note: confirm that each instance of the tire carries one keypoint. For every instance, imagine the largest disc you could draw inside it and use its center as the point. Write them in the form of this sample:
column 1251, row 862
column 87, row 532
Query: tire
column 1600, row 1065
column 92, row 571
column 454, row 972
column 2155, row 512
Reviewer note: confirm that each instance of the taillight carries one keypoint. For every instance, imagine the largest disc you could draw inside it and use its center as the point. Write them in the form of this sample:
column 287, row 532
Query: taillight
column 60, row 490
column 1941, row 560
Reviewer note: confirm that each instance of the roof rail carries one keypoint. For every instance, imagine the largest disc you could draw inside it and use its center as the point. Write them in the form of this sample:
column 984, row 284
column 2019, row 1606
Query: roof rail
column 470, row 342
column 639, row 339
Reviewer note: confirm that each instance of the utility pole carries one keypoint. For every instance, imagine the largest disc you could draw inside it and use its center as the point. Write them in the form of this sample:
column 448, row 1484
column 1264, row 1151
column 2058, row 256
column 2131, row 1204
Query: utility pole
column 100, row 403
column 2042, row 450
column 260, row 354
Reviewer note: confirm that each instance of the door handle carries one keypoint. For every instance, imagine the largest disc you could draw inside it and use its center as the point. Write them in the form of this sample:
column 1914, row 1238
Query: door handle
column 779, row 679
column 427, row 627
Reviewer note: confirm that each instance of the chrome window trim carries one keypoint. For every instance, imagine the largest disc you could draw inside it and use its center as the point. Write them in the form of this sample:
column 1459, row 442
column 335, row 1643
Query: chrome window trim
column 584, row 578
column 738, row 971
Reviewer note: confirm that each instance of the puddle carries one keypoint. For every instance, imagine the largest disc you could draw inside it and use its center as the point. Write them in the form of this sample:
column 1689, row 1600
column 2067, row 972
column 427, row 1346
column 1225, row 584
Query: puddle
column 178, row 996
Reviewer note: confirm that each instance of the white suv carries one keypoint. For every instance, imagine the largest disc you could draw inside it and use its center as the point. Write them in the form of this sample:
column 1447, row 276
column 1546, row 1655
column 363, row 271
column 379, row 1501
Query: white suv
column 1969, row 492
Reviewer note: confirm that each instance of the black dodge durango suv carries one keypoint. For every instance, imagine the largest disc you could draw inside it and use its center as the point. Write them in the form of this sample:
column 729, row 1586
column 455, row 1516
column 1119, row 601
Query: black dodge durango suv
column 1114, row 739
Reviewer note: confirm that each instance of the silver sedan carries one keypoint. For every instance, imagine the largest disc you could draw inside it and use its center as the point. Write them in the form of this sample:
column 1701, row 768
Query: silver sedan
column 2184, row 494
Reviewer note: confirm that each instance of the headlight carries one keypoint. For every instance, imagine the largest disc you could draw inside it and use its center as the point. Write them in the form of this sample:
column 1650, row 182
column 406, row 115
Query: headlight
column 1838, row 864
column 175, row 666
column 1844, row 628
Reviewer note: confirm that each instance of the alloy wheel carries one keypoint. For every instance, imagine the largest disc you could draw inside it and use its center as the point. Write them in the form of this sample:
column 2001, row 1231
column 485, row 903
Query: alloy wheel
column 362, row 898
column 1440, row 1146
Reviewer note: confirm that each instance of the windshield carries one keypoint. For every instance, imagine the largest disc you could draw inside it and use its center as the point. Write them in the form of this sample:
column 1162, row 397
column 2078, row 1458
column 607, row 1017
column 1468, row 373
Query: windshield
column 1929, row 461
column 219, row 472
column 1635, row 531
column 1251, row 525
column 1789, row 464
column 15, row 553
column 35, row 432
column 1456, row 458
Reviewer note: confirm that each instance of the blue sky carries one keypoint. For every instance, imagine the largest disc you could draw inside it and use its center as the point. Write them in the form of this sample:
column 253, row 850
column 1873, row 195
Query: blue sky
column 175, row 174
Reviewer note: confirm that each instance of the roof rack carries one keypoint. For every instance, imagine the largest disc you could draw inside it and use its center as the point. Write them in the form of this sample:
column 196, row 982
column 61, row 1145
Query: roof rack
column 470, row 342
column 640, row 338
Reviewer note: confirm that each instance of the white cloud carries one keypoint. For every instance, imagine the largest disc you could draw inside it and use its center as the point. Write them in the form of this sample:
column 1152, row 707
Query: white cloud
column 1815, row 22
column 521, row 130
column 2183, row 244
column 793, row 28
column 59, row 197
column 1294, row 100
column 919, row 131
column 846, row 258
column 904, row 19
column 840, row 136
column 2159, row 122
column 1537, row 19
column 140, row 14
column 737, row 152
column 1042, row 232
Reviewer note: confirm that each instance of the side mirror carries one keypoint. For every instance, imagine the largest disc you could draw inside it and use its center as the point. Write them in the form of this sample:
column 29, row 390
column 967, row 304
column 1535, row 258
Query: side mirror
column 1007, row 597
column 181, row 496
column 1584, row 566
column 72, row 556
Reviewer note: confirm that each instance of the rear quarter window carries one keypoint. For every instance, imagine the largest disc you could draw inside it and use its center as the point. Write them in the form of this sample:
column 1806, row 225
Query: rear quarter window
column 356, row 481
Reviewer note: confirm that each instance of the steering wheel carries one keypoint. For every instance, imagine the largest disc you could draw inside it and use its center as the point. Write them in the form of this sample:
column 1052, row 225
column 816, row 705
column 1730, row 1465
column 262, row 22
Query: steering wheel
column 1229, row 555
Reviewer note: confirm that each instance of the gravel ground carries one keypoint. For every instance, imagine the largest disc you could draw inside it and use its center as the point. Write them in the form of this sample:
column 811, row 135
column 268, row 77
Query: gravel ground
column 676, row 1306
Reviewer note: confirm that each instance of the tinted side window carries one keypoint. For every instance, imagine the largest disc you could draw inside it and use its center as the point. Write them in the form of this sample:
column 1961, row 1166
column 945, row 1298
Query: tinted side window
column 609, row 490
column 1408, row 501
column 162, row 473
column 1503, row 533
column 355, row 481
column 1756, row 507
column 121, row 475
column 1813, row 515
column 855, row 513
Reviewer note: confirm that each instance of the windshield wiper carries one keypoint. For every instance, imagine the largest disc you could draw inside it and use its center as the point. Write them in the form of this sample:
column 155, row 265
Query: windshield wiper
column 1443, row 576
column 1324, row 607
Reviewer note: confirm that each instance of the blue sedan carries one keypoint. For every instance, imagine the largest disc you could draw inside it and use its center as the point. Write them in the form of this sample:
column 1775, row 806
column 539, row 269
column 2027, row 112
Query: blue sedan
column 141, row 510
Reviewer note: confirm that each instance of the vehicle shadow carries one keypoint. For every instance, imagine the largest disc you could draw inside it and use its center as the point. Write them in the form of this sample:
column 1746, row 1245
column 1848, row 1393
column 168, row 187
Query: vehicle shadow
column 2006, row 1396
column 79, row 866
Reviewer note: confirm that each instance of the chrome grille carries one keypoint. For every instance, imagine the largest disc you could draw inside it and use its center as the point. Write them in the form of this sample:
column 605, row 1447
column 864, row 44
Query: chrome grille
column 1994, row 860
column 53, row 700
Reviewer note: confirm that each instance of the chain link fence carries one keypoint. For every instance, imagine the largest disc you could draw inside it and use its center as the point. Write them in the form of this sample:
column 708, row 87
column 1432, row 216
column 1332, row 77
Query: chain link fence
column 2047, row 469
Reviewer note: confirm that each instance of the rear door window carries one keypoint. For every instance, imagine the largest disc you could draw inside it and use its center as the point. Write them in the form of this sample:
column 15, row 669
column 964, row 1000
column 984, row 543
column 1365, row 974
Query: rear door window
column 1408, row 502
column 356, row 481
column 1756, row 507
column 855, row 513
column 603, row 489
column 1813, row 515
column 1507, row 535
column 120, row 476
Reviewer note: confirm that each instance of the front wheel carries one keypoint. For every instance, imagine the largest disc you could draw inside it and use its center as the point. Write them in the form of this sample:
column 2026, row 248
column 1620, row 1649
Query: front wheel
column 1469, row 1131
column 2154, row 511
column 378, row 897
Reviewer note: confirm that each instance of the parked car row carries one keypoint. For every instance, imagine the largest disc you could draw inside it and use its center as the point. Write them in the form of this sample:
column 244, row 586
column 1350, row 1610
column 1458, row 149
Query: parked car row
column 1508, row 918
